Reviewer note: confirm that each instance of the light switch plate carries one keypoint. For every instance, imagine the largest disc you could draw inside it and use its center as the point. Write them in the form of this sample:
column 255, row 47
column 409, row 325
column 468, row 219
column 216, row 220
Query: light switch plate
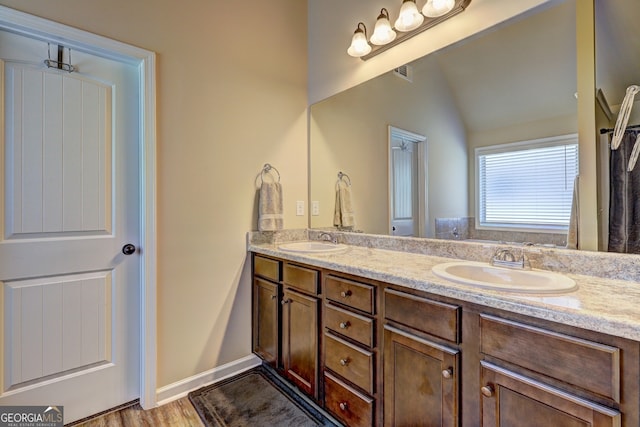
column 315, row 208
column 300, row 207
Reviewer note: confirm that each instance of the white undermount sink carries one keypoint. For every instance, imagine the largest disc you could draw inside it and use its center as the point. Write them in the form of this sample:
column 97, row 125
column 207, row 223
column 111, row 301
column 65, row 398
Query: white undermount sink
column 484, row 275
column 312, row 247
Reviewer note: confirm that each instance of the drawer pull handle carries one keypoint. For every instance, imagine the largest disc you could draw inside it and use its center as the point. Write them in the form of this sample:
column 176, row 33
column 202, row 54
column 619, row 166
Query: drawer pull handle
column 344, row 325
column 487, row 391
column 274, row 296
column 344, row 362
column 285, row 301
column 447, row 373
column 343, row 406
column 345, row 294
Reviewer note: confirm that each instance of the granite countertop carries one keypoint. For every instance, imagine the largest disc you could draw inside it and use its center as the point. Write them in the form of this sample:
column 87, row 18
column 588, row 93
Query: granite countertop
column 599, row 304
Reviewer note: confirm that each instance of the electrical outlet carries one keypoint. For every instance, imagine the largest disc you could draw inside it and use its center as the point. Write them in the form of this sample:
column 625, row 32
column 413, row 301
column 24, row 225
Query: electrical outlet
column 300, row 207
column 315, row 208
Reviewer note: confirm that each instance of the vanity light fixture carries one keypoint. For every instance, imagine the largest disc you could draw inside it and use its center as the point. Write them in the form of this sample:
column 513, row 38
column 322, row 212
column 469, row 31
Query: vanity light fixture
column 409, row 23
column 409, row 18
column 383, row 33
column 359, row 46
column 435, row 8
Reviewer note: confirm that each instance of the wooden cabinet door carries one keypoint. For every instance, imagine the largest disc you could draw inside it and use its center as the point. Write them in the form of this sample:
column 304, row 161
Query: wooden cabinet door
column 300, row 340
column 421, row 381
column 265, row 321
column 510, row 399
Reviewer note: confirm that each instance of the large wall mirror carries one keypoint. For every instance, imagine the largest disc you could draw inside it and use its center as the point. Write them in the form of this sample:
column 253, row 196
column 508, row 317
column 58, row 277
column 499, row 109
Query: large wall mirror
column 515, row 83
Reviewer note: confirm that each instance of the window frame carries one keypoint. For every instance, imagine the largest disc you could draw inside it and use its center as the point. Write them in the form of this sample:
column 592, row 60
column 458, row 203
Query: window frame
column 554, row 141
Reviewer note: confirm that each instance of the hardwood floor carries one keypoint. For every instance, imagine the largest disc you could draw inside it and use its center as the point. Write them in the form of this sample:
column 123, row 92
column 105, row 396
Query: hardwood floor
column 177, row 413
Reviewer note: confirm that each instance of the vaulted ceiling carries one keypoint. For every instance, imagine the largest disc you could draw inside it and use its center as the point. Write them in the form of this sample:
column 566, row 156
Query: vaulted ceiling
column 617, row 48
column 525, row 70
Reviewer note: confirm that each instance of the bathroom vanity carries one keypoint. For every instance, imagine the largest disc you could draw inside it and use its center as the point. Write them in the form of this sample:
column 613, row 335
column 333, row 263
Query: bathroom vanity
column 376, row 339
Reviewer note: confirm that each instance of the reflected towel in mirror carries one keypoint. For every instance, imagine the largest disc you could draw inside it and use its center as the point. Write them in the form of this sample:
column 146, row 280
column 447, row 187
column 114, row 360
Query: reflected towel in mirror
column 344, row 215
column 270, row 209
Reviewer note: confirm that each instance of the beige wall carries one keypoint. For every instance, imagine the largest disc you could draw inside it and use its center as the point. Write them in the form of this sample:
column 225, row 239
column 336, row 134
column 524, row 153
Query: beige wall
column 634, row 118
column 349, row 133
column 588, row 184
column 230, row 98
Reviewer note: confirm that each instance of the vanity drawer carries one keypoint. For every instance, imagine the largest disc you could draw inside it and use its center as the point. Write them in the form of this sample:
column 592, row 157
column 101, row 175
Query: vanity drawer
column 586, row 364
column 348, row 405
column 349, row 361
column 432, row 317
column 266, row 267
column 354, row 326
column 350, row 293
column 304, row 279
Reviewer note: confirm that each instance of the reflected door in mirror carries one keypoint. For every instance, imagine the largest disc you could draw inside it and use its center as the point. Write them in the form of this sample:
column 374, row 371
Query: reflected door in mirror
column 403, row 178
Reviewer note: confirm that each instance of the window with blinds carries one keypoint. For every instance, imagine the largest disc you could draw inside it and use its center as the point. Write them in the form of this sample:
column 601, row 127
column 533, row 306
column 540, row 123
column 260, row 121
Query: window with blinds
column 527, row 185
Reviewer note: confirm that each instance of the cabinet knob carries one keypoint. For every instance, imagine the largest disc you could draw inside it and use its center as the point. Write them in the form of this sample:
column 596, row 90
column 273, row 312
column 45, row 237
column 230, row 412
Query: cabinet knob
column 285, row 301
column 345, row 294
column 487, row 391
column 343, row 406
column 447, row 373
column 344, row 325
column 273, row 297
column 344, row 362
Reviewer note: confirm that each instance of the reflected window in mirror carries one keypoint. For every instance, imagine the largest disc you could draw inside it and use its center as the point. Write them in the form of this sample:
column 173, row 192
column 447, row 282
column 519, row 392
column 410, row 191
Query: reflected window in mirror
column 527, row 185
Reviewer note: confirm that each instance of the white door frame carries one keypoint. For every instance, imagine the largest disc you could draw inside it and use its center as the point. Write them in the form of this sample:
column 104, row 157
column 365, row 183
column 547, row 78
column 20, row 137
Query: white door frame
column 39, row 28
column 422, row 175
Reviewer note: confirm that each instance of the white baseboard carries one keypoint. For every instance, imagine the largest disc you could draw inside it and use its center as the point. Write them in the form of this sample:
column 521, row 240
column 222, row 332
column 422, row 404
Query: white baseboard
column 181, row 388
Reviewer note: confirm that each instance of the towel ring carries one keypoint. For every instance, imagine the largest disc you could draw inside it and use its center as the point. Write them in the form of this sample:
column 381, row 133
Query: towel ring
column 266, row 169
column 341, row 176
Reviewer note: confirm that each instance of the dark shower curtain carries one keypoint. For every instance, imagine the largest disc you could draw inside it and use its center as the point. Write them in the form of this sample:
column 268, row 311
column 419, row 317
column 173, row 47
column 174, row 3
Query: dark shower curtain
column 624, row 199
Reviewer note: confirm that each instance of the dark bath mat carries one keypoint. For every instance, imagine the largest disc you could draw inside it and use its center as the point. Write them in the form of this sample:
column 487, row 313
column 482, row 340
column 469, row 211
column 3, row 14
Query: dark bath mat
column 255, row 398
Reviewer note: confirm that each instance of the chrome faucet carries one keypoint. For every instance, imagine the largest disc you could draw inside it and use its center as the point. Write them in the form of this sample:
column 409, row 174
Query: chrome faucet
column 455, row 233
column 328, row 237
column 504, row 255
column 506, row 258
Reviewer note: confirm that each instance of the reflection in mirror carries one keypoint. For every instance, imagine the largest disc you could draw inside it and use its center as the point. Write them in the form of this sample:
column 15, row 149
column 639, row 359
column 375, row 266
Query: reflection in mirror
column 406, row 177
column 617, row 68
column 515, row 82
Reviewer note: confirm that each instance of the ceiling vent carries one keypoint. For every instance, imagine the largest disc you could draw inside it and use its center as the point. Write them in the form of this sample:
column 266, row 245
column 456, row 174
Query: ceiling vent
column 404, row 72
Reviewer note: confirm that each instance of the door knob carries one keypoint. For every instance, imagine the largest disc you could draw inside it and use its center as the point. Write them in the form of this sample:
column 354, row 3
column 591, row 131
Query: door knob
column 128, row 249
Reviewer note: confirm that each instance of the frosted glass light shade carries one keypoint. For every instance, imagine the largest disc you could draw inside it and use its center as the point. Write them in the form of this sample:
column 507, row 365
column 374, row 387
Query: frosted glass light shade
column 410, row 18
column 383, row 33
column 435, row 8
column 359, row 45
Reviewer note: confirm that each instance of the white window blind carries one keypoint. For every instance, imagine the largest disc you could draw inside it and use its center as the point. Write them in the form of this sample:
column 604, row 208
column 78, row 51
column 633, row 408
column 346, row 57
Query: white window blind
column 527, row 185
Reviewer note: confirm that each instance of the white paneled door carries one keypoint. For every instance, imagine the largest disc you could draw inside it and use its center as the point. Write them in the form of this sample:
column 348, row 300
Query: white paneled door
column 69, row 204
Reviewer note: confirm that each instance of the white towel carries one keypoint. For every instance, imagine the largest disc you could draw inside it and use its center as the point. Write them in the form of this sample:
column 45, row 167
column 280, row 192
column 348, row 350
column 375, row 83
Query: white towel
column 623, row 116
column 270, row 211
column 343, row 215
column 574, row 219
